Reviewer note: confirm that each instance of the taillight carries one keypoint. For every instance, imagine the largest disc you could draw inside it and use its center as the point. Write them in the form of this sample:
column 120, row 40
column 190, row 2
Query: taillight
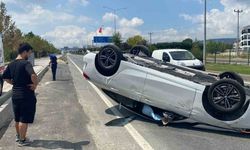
column 86, row 76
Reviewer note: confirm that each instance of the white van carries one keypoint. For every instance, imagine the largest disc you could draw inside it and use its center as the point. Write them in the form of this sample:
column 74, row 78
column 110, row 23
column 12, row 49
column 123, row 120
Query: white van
column 180, row 57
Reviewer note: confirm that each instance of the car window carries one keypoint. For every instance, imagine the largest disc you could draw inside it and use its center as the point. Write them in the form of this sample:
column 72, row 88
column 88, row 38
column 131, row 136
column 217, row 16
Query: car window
column 182, row 55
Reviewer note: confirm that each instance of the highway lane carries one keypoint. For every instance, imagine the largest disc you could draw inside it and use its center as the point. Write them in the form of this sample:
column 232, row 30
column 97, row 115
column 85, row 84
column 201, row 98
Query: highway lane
column 177, row 136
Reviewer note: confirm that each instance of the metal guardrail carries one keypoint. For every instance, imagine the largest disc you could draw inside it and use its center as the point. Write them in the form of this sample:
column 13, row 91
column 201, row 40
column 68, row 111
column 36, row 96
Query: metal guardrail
column 7, row 95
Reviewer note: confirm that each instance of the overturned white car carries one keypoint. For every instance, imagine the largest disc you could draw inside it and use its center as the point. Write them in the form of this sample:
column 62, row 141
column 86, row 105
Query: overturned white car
column 221, row 101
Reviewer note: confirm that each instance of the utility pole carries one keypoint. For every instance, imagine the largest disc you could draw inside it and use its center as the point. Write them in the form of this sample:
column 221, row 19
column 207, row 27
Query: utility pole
column 114, row 10
column 205, row 32
column 238, row 30
column 150, row 37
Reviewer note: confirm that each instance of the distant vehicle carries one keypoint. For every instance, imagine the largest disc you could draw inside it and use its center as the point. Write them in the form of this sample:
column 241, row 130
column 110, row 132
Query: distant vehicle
column 179, row 57
column 135, row 78
column 2, row 66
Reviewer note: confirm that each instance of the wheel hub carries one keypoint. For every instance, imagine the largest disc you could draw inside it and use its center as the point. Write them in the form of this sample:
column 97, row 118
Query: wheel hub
column 108, row 58
column 226, row 96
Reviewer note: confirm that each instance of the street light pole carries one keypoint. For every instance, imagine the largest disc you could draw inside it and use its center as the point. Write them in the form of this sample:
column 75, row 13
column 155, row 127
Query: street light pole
column 205, row 32
column 150, row 37
column 238, row 29
column 115, row 10
column 115, row 20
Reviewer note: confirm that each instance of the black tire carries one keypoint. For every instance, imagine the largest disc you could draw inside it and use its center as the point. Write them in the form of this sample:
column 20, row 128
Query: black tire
column 226, row 96
column 232, row 75
column 136, row 50
column 108, row 60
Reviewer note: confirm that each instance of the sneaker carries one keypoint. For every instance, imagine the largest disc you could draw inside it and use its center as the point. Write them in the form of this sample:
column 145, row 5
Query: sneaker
column 17, row 138
column 164, row 121
column 25, row 142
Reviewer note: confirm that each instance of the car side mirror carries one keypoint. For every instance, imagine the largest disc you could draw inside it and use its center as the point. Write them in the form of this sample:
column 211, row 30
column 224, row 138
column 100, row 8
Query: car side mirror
column 165, row 57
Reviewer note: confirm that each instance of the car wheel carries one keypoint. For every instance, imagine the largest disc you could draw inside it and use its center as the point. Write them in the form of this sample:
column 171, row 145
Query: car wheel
column 226, row 96
column 139, row 50
column 108, row 60
column 232, row 75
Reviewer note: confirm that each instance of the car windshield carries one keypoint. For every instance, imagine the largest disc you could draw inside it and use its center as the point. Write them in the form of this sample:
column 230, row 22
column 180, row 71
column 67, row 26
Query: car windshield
column 182, row 55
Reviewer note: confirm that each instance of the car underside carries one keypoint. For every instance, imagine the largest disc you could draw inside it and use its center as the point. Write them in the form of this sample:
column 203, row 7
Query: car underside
column 179, row 71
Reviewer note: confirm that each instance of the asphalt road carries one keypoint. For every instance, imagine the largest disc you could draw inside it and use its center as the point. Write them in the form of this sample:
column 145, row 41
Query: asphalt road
column 60, row 121
column 142, row 133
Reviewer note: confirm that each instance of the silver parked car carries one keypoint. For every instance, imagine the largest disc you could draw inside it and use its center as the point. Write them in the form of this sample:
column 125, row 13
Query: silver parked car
column 221, row 101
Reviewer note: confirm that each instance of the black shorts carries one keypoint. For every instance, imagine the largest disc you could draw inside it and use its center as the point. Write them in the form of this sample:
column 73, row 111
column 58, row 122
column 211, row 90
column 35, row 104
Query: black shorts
column 24, row 109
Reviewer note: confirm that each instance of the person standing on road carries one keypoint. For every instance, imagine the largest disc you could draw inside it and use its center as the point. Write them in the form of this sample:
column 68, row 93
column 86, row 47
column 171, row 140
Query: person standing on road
column 53, row 64
column 21, row 75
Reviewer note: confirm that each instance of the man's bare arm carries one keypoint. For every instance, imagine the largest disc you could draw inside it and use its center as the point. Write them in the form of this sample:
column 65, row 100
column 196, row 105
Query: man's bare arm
column 8, row 81
column 34, row 80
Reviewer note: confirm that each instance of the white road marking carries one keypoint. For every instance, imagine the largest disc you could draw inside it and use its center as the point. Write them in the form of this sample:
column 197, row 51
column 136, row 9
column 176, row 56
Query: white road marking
column 46, row 83
column 140, row 140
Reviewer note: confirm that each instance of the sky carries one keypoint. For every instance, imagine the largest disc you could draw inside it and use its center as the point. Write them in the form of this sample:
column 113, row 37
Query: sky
column 75, row 22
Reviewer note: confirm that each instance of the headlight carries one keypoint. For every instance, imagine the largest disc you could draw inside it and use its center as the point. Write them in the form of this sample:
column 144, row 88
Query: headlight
column 201, row 63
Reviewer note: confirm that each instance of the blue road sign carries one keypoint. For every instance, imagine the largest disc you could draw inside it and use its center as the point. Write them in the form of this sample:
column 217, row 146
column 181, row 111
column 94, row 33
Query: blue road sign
column 102, row 39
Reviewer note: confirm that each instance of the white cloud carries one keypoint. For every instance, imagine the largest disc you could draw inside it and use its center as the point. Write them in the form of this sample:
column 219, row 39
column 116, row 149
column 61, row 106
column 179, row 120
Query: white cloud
column 9, row 1
column 134, row 22
column 107, row 17
column 82, row 2
column 127, row 27
column 169, row 35
column 128, row 32
column 84, row 19
column 70, row 35
column 37, row 15
column 221, row 23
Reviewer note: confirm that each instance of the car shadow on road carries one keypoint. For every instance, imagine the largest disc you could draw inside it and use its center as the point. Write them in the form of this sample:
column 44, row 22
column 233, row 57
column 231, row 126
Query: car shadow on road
column 192, row 126
column 54, row 144
column 126, row 116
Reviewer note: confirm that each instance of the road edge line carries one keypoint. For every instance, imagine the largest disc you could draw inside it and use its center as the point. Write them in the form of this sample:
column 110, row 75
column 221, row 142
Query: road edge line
column 140, row 140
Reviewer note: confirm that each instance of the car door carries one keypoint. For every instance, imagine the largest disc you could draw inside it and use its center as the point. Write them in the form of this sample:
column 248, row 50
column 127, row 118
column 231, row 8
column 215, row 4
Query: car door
column 169, row 92
column 129, row 81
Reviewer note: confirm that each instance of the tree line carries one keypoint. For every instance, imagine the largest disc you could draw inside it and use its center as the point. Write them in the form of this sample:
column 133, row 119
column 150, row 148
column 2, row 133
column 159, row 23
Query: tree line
column 13, row 37
column 196, row 47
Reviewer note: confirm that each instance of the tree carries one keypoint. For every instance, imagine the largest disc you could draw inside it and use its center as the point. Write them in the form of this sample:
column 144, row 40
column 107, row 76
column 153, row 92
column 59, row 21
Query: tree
column 41, row 46
column 187, row 43
column 188, row 40
column 125, row 46
column 136, row 40
column 117, row 39
column 13, row 37
column 152, row 48
column 196, row 50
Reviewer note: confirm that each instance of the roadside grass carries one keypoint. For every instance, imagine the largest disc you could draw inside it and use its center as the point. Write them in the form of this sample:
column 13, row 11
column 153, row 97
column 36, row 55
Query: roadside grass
column 241, row 69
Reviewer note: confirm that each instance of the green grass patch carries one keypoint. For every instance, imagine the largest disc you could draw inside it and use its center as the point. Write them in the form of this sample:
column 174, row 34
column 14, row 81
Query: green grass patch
column 241, row 69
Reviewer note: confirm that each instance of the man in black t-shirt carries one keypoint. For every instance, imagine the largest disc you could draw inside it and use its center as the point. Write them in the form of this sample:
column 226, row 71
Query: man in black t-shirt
column 21, row 75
